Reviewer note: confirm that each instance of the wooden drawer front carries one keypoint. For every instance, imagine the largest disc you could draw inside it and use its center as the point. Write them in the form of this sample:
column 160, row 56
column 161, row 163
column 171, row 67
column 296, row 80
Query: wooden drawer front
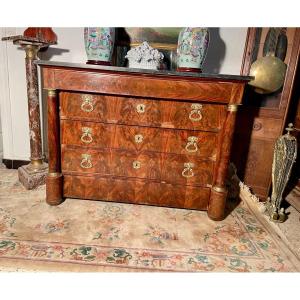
column 88, row 134
column 98, row 135
column 136, row 191
column 161, row 167
column 86, row 106
column 197, row 116
column 85, row 161
column 142, row 112
column 195, row 143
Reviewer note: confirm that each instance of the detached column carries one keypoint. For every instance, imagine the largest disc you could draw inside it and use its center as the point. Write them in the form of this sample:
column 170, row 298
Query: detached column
column 33, row 174
column 54, row 178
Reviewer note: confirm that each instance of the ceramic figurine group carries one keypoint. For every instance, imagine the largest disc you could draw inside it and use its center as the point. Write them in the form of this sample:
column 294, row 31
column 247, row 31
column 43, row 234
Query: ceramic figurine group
column 191, row 50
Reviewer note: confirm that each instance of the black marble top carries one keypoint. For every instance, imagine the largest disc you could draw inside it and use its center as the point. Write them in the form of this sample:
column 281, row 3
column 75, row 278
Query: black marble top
column 144, row 71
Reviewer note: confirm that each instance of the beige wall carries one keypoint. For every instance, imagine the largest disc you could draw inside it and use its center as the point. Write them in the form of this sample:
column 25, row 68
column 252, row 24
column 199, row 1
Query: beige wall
column 224, row 56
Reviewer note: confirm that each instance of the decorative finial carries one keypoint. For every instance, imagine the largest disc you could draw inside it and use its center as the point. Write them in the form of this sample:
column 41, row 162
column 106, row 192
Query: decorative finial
column 289, row 128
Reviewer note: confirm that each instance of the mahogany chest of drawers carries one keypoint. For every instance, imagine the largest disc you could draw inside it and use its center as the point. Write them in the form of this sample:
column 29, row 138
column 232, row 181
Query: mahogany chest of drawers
column 139, row 136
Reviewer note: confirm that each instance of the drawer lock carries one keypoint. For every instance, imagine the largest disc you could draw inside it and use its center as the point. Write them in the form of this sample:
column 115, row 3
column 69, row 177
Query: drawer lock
column 138, row 138
column 140, row 108
column 136, row 164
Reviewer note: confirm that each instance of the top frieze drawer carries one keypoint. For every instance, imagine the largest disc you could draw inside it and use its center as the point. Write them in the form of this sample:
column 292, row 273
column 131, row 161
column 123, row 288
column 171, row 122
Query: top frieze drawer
column 142, row 112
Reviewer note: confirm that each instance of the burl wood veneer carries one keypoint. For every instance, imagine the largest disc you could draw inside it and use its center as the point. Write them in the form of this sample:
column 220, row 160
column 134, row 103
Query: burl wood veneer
column 140, row 136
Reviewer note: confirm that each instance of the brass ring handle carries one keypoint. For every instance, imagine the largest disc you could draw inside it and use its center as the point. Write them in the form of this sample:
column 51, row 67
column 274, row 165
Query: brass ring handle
column 196, row 114
column 188, row 171
column 138, row 138
column 86, row 162
column 136, row 164
column 87, row 104
column 140, row 108
column 86, row 135
column 191, row 145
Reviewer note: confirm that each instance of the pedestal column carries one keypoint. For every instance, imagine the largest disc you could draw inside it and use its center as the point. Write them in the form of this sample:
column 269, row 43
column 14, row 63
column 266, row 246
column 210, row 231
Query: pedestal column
column 34, row 174
column 32, row 40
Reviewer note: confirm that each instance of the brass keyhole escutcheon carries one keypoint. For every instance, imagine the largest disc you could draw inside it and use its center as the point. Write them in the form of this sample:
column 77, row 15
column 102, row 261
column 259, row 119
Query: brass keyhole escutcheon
column 87, row 104
column 138, row 138
column 191, row 145
column 141, row 108
column 188, row 170
column 86, row 136
column 196, row 114
column 86, row 162
column 136, row 164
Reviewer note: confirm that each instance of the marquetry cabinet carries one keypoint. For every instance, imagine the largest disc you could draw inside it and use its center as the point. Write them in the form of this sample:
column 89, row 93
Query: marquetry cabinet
column 140, row 136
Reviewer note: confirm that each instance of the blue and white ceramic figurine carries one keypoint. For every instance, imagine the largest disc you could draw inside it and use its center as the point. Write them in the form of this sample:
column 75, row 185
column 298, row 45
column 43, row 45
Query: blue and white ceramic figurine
column 99, row 44
column 192, row 48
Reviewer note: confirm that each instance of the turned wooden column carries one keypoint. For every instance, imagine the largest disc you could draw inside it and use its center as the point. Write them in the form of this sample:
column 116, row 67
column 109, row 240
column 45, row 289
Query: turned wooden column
column 54, row 177
column 219, row 191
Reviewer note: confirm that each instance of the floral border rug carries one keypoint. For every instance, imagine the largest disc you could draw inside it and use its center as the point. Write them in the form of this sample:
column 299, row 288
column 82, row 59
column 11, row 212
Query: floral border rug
column 81, row 235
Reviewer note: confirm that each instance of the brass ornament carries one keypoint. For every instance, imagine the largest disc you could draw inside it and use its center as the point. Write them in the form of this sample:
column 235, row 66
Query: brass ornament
column 232, row 107
column 87, row 104
column 219, row 189
column 141, row 108
column 269, row 71
column 285, row 154
column 196, row 114
column 86, row 136
column 86, row 162
column 51, row 93
column 191, row 145
column 31, row 51
column 138, row 138
column 136, row 164
column 54, row 174
column 188, row 170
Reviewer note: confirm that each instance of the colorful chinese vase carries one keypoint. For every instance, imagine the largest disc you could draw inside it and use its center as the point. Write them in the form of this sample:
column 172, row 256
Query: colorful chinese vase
column 99, row 44
column 192, row 48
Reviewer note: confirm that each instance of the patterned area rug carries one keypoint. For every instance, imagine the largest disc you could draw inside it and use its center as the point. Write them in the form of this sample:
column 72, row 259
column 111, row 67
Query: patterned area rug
column 82, row 235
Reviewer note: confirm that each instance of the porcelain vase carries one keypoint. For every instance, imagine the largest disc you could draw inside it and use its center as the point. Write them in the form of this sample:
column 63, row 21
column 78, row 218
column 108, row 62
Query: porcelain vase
column 192, row 48
column 99, row 44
